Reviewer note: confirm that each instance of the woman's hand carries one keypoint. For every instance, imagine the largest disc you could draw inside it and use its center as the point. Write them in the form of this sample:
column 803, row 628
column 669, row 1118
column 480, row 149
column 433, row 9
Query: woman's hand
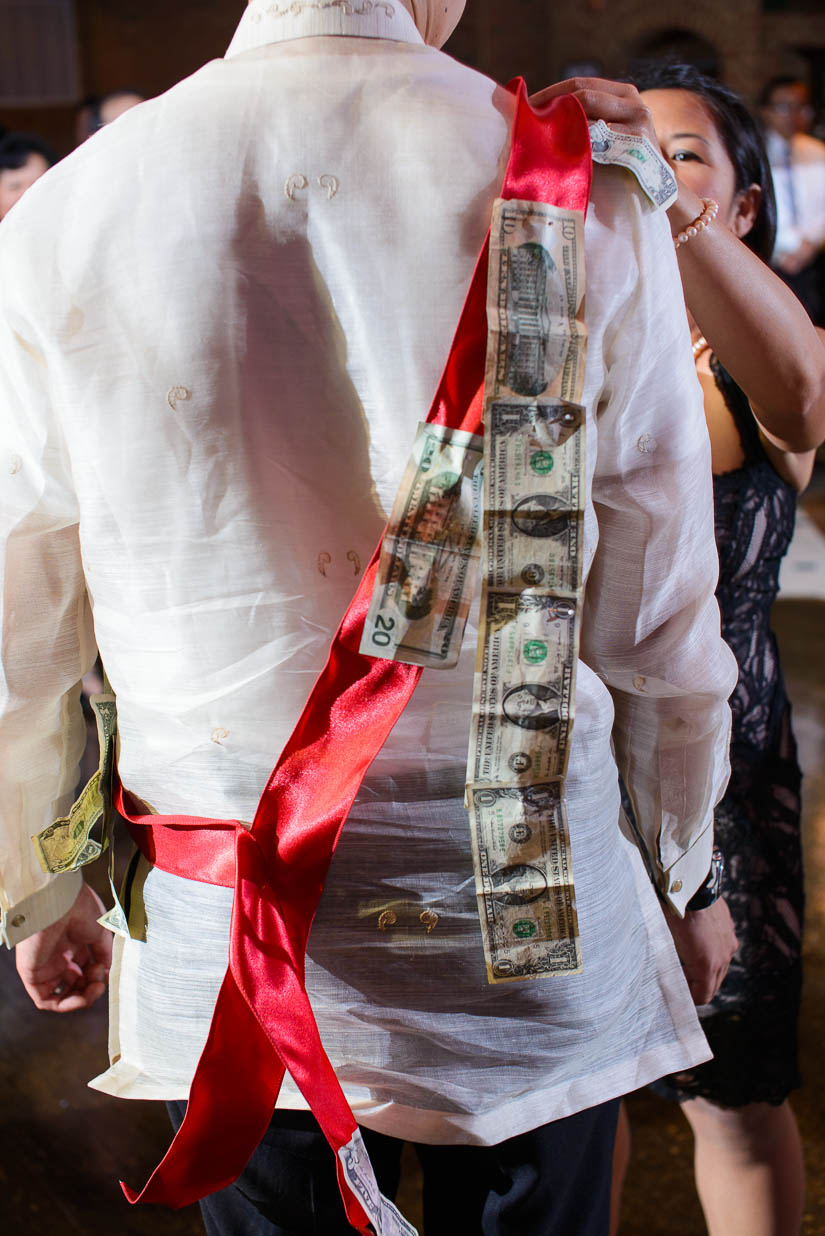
column 617, row 103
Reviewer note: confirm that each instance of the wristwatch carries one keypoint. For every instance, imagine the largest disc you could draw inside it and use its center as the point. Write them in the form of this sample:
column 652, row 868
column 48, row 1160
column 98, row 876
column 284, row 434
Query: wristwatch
column 711, row 890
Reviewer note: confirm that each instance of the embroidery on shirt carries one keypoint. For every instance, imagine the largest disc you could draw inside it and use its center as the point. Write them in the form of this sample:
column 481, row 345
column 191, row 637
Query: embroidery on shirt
column 347, row 7
column 16, row 464
column 176, row 395
column 429, row 918
column 295, row 183
column 330, row 183
column 324, row 559
column 74, row 322
column 387, row 918
column 355, row 558
column 32, row 351
column 218, row 734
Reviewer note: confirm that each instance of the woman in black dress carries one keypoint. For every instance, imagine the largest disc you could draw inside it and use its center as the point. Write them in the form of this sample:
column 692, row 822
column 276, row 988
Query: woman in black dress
column 762, row 371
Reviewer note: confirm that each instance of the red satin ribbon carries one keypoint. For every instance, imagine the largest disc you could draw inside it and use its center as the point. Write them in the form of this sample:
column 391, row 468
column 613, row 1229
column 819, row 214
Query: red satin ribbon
column 263, row 1023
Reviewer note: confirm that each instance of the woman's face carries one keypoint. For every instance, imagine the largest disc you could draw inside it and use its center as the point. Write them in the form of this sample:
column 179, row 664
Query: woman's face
column 693, row 147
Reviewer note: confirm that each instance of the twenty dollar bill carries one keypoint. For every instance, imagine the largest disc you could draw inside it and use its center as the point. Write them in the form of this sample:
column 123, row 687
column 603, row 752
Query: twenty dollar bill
column 429, row 554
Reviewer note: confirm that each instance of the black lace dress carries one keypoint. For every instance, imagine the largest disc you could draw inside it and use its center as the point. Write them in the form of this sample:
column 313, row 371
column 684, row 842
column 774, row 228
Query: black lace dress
column 751, row 1025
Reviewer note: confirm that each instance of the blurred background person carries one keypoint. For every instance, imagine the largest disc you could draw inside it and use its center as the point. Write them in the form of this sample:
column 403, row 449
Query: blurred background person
column 762, row 371
column 23, row 160
column 798, row 165
column 97, row 111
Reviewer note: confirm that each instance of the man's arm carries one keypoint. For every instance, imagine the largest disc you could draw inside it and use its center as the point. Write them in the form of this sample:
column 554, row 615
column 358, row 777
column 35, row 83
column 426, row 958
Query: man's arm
column 45, row 626
column 651, row 623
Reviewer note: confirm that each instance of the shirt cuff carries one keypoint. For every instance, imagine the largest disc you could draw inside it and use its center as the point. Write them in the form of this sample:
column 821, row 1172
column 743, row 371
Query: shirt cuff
column 40, row 909
column 681, row 880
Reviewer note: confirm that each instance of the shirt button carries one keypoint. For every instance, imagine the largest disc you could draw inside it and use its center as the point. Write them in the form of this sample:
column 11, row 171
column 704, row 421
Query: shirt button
column 676, row 886
column 18, row 920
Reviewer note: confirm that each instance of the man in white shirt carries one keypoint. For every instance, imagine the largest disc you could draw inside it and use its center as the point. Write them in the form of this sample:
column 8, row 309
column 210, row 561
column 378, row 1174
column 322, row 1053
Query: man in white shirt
column 798, row 167
column 221, row 320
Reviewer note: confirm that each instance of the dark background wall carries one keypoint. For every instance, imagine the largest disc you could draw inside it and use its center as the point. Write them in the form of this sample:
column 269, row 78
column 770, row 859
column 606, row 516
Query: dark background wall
column 151, row 44
column 145, row 45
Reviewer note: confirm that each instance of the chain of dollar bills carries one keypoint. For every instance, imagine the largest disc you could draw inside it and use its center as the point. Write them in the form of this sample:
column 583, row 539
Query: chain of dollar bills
column 531, row 577
column 522, row 487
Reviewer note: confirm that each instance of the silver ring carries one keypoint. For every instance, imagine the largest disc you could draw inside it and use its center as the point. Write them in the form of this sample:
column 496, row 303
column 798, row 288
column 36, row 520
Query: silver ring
column 59, row 989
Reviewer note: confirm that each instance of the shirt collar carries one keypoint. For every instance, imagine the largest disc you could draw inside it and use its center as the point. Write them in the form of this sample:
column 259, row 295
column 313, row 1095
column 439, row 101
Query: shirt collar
column 276, row 21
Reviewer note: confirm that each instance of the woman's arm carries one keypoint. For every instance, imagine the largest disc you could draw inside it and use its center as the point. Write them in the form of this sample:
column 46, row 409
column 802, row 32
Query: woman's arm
column 757, row 328
column 754, row 323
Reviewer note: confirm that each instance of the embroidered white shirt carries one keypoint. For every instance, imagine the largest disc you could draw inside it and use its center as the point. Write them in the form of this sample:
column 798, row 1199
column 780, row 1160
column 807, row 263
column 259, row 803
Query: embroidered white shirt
column 221, row 320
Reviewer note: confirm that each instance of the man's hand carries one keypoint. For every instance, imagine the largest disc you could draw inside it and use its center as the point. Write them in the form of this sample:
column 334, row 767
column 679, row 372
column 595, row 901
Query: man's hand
column 617, row 103
column 706, row 942
column 64, row 967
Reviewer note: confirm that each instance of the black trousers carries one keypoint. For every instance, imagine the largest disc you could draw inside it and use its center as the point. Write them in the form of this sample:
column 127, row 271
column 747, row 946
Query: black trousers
column 552, row 1181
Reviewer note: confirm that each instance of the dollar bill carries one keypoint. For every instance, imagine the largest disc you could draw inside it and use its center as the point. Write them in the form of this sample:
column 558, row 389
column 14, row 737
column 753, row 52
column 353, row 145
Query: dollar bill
column 104, row 707
column 385, row 1217
column 114, row 920
column 535, row 291
column 523, row 690
column 524, row 881
column 534, row 495
column 427, row 566
column 67, row 843
column 640, row 157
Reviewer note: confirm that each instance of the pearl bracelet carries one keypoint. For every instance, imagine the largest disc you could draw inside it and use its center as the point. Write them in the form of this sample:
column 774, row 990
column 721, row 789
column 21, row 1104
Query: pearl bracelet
column 710, row 210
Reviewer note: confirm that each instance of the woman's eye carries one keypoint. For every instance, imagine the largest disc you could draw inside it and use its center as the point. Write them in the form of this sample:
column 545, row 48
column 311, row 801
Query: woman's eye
column 685, row 156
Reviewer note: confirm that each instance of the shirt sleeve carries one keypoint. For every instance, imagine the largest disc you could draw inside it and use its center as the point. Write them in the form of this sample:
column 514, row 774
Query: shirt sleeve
column 651, row 627
column 45, row 622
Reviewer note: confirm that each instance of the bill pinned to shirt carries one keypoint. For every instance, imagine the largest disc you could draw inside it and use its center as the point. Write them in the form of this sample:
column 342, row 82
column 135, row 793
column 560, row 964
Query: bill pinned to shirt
column 533, row 495
column 359, row 1175
column 531, row 563
column 524, row 881
column 68, row 843
column 523, row 692
column 429, row 554
column 640, row 157
column 535, row 295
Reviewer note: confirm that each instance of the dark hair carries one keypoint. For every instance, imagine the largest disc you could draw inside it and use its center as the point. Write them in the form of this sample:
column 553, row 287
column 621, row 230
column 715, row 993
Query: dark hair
column 740, row 134
column 15, row 149
column 778, row 83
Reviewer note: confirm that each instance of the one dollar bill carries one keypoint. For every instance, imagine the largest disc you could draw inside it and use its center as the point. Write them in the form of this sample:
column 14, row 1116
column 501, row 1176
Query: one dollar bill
column 429, row 554
column 67, row 843
column 638, row 156
column 523, row 693
column 524, row 881
column 534, row 495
